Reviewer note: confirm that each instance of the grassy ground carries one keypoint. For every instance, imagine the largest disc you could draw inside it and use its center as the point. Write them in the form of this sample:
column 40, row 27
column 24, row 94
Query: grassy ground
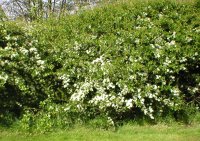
column 125, row 133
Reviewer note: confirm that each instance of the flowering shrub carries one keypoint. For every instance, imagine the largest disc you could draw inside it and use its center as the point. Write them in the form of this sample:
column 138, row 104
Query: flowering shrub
column 118, row 62
column 22, row 70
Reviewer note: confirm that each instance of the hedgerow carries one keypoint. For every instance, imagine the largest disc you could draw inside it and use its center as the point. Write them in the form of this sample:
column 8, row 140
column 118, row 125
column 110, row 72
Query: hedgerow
column 118, row 62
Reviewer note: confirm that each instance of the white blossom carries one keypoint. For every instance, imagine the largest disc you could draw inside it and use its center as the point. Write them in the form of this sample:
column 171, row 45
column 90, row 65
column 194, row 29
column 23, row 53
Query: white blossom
column 40, row 62
column 33, row 49
column 98, row 60
column 129, row 103
column 24, row 51
column 172, row 43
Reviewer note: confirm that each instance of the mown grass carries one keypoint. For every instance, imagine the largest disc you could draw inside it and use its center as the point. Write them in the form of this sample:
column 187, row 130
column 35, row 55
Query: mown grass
column 158, row 132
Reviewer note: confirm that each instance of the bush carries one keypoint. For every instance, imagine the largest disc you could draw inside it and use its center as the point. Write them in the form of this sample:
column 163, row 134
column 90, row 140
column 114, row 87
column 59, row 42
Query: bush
column 22, row 75
column 120, row 62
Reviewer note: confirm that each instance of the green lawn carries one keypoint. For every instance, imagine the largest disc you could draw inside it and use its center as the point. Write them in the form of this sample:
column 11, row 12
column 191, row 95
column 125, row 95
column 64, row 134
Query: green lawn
column 125, row 133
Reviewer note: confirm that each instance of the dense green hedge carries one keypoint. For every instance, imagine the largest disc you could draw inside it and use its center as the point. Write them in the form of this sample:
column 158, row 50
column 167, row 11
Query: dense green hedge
column 117, row 62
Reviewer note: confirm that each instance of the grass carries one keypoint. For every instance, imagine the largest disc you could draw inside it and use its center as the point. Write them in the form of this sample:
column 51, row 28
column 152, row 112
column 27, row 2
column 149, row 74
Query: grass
column 158, row 132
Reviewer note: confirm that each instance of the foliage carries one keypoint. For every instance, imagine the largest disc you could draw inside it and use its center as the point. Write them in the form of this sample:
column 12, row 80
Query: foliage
column 198, row 3
column 120, row 61
column 22, row 75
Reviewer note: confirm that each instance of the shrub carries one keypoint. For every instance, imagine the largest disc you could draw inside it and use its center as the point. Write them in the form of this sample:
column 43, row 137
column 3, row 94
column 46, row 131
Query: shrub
column 118, row 62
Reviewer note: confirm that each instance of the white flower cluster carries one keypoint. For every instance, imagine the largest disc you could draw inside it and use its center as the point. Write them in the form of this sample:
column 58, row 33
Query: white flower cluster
column 82, row 90
column 65, row 80
column 33, row 50
column 129, row 103
column 175, row 91
column 99, row 60
column 24, row 51
column 148, row 111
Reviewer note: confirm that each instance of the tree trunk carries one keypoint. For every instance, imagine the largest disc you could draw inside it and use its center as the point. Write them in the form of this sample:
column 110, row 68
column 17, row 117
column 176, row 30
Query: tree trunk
column 40, row 9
